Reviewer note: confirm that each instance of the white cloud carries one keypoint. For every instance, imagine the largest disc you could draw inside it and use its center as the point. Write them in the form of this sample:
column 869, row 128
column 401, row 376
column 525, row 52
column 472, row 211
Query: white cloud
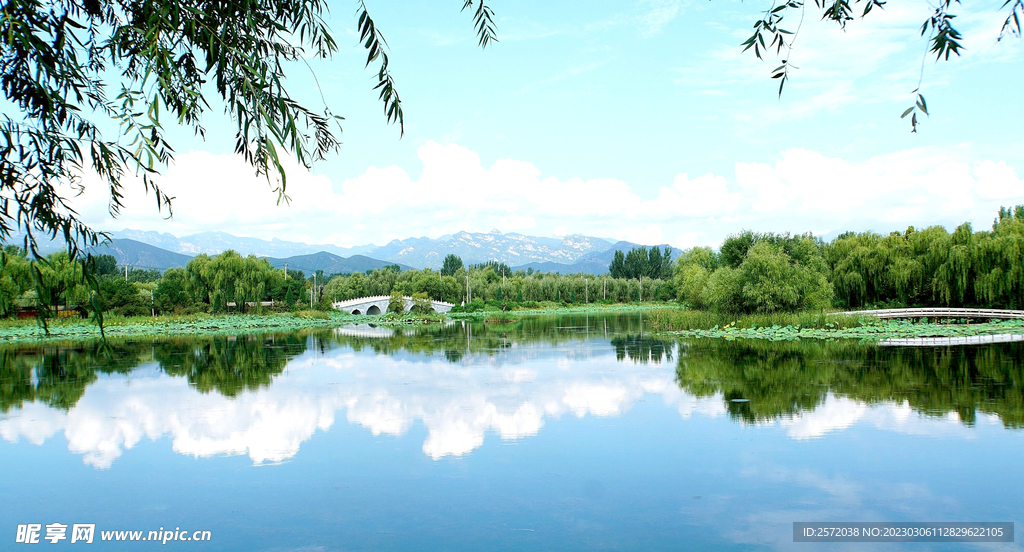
column 510, row 396
column 459, row 405
column 805, row 190
column 802, row 190
column 874, row 60
column 650, row 233
column 657, row 14
column 836, row 414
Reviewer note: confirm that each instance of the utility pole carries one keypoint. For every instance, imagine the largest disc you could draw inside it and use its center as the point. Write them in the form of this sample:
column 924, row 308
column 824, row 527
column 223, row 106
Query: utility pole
column 586, row 283
column 604, row 294
column 641, row 288
column 467, row 288
column 285, row 272
column 312, row 291
column 125, row 272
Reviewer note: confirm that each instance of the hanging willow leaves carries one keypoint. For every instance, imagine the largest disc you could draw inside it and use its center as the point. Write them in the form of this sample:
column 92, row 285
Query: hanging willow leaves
column 72, row 68
column 943, row 38
column 483, row 22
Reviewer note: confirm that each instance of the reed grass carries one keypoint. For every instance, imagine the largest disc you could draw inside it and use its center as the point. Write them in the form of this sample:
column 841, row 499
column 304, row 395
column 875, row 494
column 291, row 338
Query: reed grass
column 684, row 320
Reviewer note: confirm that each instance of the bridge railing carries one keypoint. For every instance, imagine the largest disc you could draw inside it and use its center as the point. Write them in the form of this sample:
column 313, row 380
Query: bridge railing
column 938, row 312
column 375, row 298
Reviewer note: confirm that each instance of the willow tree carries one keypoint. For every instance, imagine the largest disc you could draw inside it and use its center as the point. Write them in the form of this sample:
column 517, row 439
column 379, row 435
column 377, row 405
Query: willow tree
column 74, row 70
column 770, row 35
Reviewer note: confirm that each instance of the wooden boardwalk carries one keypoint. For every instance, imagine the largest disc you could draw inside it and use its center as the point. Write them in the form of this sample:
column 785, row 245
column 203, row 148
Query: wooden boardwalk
column 940, row 313
column 948, row 341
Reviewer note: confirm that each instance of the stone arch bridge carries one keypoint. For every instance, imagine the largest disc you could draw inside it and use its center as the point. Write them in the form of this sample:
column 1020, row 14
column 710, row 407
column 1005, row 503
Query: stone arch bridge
column 378, row 304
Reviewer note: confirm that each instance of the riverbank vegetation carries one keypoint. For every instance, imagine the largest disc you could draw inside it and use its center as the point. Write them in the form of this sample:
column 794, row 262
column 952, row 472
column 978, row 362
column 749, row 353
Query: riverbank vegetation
column 758, row 381
column 755, row 280
column 853, row 327
column 231, row 283
column 765, row 272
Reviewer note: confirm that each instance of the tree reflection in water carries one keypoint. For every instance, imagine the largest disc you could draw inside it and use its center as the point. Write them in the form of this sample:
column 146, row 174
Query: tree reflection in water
column 763, row 380
column 759, row 381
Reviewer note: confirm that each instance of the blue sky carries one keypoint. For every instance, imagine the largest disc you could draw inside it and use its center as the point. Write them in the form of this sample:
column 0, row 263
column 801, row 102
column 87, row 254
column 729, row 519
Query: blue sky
column 635, row 120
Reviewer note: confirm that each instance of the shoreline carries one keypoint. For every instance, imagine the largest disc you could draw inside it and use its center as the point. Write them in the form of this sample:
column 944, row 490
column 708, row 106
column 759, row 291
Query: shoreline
column 214, row 324
column 875, row 332
column 868, row 329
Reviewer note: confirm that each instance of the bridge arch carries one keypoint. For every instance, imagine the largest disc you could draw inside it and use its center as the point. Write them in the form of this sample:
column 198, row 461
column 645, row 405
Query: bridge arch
column 379, row 304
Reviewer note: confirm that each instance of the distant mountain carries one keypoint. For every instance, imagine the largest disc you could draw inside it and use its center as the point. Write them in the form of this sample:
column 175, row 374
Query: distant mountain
column 586, row 266
column 592, row 263
column 573, row 253
column 330, row 263
column 141, row 255
column 213, row 243
column 625, row 246
column 482, row 247
column 144, row 256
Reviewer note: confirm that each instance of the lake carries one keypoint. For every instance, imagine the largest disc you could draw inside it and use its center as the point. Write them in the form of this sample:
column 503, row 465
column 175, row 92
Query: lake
column 545, row 433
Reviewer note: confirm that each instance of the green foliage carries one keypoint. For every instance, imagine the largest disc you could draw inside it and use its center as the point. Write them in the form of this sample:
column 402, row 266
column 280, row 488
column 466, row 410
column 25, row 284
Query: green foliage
column 693, row 270
column 931, row 266
column 104, row 265
column 452, row 264
column 121, row 297
column 421, row 303
column 171, row 295
column 397, row 303
column 686, row 320
column 724, row 291
column 74, row 70
column 640, row 262
column 801, row 248
column 756, row 273
column 15, row 279
column 767, row 280
column 782, row 378
column 487, row 285
column 313, row 314
column 230, row 278
column 943, row 39
column 498, row 269
column 163, row 325
column 143, row 276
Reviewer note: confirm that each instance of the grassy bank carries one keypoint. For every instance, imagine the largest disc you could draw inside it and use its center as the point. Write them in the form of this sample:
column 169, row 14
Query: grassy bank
column 813, row 325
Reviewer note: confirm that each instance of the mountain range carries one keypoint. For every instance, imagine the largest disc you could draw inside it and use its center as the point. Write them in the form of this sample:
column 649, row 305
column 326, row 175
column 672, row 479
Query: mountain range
column 570, row 254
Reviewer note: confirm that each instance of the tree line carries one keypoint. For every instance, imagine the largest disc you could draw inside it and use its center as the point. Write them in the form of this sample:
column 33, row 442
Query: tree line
column 766, row 272
column 496, row 284
column 230, row 282
column 57, row 285
column 751, row 272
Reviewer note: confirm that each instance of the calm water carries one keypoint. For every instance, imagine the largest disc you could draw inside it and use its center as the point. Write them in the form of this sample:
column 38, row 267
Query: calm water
column 571, row 433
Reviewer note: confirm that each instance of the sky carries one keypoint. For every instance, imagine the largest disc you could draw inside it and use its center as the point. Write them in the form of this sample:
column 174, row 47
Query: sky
column 639, row 120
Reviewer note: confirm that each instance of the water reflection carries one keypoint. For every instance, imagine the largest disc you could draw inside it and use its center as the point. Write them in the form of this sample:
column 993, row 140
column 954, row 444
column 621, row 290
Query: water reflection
column 264, row 395
column 763, row 381
column 228, row 365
